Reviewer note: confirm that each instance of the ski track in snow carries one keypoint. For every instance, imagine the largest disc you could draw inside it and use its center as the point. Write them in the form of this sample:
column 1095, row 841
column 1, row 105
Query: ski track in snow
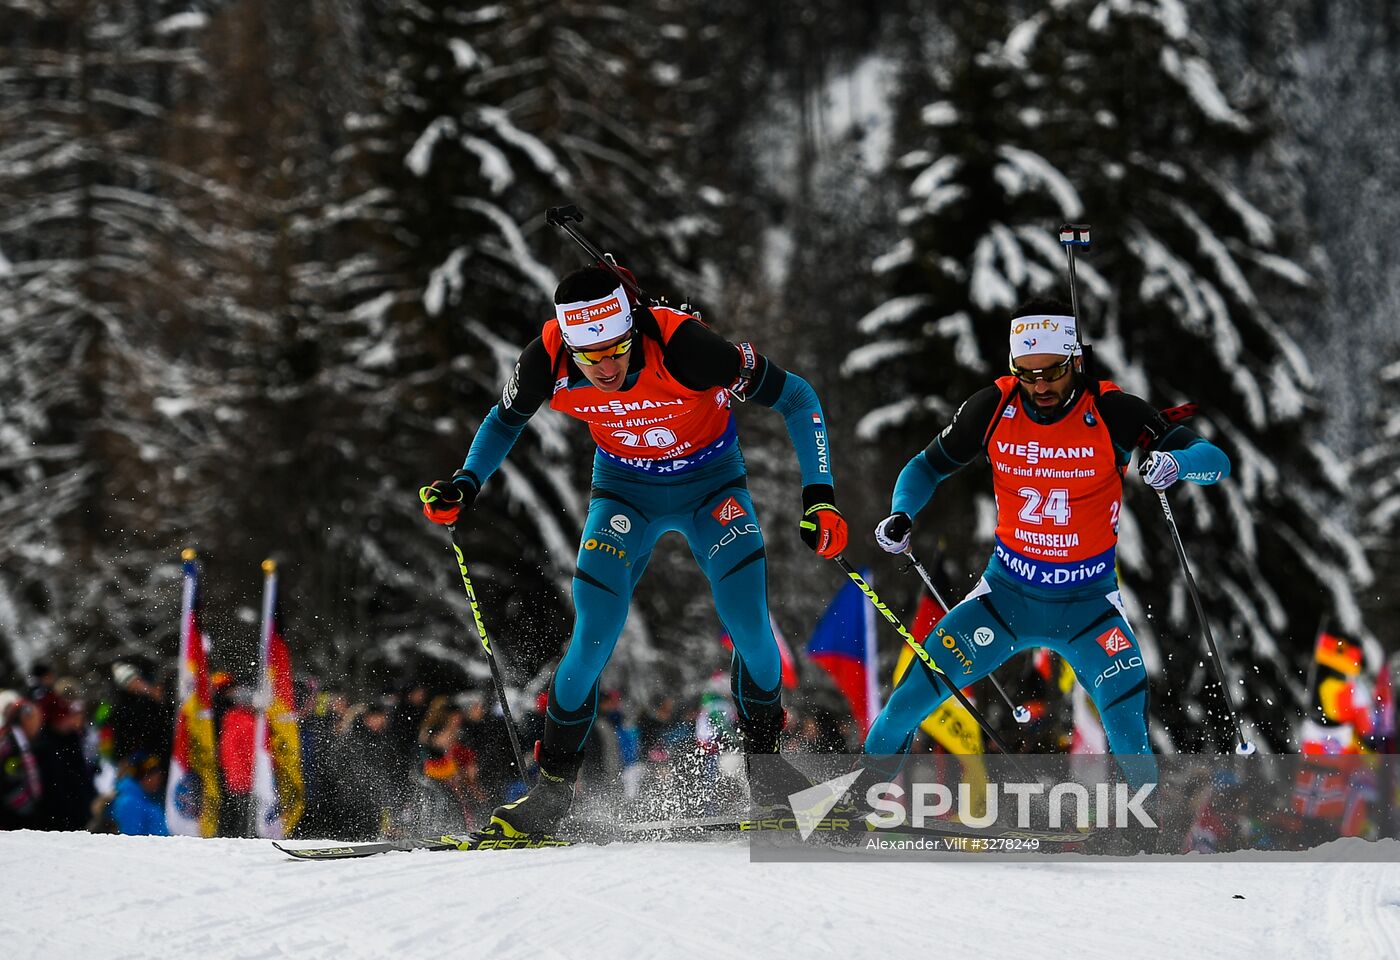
column 79, row 895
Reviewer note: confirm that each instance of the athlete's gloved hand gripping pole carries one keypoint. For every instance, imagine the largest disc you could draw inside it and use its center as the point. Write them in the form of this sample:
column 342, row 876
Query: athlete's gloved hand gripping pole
column 443, row 503
column 925, row 657
column 822, row 526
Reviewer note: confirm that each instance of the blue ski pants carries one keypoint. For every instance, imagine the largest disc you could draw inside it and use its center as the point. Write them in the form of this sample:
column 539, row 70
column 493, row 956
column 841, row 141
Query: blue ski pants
column 1001, row 617
column 629, row 512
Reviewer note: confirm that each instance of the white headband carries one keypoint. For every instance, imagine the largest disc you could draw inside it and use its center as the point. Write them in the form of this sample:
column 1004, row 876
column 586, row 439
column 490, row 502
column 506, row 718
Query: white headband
column 1043, row 333
column 586, row 322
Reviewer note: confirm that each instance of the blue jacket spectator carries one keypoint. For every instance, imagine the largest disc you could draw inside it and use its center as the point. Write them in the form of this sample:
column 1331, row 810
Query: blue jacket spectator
column 138, row 809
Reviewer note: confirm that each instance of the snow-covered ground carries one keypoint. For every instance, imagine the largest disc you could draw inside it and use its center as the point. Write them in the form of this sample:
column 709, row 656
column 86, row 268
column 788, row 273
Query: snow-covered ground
column 80, row 895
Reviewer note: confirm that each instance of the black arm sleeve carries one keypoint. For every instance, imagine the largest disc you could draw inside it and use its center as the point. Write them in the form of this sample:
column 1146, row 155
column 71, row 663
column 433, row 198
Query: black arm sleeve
column 700, row 358
column 1133, row 422
column 961, row 440
column 530, row 385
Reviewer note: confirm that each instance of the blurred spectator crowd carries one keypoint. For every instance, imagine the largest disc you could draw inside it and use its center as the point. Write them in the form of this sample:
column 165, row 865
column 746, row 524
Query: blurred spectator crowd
column 411, row 760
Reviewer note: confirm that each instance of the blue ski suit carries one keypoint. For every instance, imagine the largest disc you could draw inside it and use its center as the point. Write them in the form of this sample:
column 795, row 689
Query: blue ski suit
column 1050, row 582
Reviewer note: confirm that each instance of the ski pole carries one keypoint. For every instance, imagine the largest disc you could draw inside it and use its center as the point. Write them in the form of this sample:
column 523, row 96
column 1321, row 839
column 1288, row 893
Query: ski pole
column 1076, row 235
column 1021, row 714
column 1244, row 748
column 490, row 655
column 920, row 652
column 563, row 218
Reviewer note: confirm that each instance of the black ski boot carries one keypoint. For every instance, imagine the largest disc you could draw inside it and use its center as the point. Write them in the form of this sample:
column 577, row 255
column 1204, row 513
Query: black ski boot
column 539, row 812
column 771, row 778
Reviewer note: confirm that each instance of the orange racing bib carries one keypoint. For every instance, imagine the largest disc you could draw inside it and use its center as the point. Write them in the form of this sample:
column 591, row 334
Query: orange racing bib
column 658, row 425
column 1059, row 489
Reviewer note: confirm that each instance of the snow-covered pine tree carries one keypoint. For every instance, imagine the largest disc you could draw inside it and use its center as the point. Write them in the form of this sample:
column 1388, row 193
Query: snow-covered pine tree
column 1328, row 62
column 116, row 320
column 1109, row 112
column 1378, row 472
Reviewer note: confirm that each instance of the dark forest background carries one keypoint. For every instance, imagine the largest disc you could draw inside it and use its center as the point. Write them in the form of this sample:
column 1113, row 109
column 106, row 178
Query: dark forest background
column 265, row 266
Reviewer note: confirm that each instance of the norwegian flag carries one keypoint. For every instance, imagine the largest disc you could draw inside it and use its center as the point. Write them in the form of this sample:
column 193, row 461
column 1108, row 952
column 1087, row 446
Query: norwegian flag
column 1362, row 791
column 1320, row 793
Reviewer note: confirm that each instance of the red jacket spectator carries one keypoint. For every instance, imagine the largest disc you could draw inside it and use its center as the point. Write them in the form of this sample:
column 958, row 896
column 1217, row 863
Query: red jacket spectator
column 236, row 749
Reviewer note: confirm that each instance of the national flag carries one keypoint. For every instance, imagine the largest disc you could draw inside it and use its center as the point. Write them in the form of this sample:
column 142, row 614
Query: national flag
column 279, row 792
column 1339, row 711
column 843, row 644
column 1341, row 790
column 789, row 662
column 1363, row 790
column 192, row 788
column 1320, row 793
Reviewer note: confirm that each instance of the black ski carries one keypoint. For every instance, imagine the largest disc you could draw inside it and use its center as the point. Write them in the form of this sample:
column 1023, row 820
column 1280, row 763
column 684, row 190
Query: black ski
column 835, row 827
column 462, row 843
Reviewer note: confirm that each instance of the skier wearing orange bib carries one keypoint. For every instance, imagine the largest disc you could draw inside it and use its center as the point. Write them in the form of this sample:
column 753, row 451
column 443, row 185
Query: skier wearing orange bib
column 1059, row 446
column 655, row 387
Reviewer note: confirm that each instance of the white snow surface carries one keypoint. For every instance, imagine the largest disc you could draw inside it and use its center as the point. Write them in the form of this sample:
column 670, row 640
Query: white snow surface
column 86, row 895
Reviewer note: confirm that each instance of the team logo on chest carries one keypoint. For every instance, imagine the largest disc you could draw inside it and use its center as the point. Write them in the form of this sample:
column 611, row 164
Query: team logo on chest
column 1035, row 451
column 619, row 407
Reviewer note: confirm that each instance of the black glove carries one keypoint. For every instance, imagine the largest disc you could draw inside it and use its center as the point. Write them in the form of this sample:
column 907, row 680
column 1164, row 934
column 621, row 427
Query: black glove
column 444, row 500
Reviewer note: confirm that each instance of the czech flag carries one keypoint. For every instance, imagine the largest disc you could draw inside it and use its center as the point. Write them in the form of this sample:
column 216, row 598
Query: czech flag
column 843, row 645
column 192, row 789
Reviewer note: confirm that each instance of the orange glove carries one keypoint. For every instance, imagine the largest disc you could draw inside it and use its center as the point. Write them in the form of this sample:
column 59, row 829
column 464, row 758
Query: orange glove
column 823, row 527
column 444, row 500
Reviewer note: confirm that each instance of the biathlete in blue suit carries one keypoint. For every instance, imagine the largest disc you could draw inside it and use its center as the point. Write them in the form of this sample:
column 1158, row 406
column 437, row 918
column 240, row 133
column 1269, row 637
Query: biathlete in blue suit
column 655, row 387
column 1059, row 446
